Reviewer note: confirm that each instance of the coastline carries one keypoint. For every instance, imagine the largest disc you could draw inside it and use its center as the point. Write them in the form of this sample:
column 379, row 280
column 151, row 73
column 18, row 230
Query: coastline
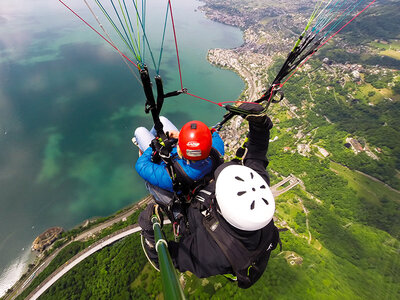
column 16, row 269
column 85, row 233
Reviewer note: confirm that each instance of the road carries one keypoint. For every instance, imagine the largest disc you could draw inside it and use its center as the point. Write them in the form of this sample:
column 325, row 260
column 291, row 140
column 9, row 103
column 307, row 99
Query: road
column 293, row 181
column 77, row 259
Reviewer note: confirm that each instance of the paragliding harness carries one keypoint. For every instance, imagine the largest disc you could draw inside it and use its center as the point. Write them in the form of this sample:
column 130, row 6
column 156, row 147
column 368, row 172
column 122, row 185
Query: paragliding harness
column 247, row 265
column 184, row 187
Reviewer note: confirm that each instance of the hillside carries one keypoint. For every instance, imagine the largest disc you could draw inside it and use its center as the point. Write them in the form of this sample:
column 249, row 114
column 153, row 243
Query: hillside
column 337, row 130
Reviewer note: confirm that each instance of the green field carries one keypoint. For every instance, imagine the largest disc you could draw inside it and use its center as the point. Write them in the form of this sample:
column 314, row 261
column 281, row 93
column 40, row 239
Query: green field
column 364, row 186
column 391, row 53
column 395, row 45
column 364, row 90
column 390, row 49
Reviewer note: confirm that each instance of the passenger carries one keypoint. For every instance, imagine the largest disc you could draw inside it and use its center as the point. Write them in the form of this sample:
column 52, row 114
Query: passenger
column 191, row 156
column 231, row 230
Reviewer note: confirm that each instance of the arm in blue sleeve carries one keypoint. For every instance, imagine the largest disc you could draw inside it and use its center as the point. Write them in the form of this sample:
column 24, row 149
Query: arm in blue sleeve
column 218, row 143
column 154, row 173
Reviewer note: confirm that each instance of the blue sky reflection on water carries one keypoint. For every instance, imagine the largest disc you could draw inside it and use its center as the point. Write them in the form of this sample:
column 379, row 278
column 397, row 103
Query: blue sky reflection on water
column 68, row 108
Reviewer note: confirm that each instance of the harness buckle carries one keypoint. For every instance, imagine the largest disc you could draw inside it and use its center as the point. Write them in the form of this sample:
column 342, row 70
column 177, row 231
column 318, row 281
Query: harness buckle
column 162, row 153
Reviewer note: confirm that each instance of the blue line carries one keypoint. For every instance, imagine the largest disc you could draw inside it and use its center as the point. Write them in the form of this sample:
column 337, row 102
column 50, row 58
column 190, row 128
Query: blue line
column 332, row 16
column 116, row 29
column 341, row 19
column 133, row 31
column 144, row 5
column 145, row 36
column 120, row 21
column 327, row 15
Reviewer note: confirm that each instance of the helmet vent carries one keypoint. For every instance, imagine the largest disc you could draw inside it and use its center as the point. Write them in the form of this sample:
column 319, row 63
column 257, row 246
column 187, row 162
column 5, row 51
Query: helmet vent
column 265, row 200
column 241, row 193
column 193, row 126
column 262, row 187
column 238, row 178
column 252, row 205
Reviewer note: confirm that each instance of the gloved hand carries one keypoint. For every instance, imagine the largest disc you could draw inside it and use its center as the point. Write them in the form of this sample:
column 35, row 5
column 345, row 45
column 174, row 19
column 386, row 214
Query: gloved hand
column 257, row 114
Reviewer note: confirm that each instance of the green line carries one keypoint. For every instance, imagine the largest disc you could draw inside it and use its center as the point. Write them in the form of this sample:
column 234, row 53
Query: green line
column 144, row 5
column 313, row 14
column 137, row 25
column 116, row 29
column 130, row 22
column 127, row 25
column 145, row 36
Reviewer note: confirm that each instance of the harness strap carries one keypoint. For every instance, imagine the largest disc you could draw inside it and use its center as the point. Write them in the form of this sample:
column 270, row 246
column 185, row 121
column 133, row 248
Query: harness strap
column 237, row 254
column 182, row 182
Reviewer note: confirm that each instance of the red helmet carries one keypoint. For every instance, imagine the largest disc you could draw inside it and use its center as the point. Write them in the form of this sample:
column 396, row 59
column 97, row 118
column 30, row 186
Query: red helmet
column 195, row 140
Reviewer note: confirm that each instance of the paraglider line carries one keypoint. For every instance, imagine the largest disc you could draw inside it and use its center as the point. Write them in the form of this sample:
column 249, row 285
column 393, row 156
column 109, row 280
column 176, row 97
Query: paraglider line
column 327, row 41
column 219, row 104
column 280, row 85
column 162, row 40
column 70, row 9
column 176, row 45
column 116, row 29
column 346, row 24
column 333, row 19
column 123, row 28
column 109, row 38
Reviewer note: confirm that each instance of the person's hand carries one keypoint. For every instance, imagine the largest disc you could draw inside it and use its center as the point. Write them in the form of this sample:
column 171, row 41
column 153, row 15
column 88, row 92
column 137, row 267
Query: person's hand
column 256, row 114
column 173, row 134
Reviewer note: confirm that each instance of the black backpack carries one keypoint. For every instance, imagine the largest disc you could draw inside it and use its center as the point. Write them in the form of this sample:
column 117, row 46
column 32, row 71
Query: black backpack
column 247, row 265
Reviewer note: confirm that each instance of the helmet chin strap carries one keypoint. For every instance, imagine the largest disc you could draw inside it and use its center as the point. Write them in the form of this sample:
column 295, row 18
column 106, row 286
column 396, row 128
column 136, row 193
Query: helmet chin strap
column 178, row 150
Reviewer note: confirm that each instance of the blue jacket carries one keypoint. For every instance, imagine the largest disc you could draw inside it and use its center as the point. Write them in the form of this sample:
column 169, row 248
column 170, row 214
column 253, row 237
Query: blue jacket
column 157, row 174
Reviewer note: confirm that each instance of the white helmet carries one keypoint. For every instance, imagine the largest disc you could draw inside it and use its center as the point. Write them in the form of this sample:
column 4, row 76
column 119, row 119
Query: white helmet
column 244, row 198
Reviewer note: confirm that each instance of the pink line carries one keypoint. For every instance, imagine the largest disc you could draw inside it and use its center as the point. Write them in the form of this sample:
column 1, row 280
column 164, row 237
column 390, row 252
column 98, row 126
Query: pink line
column 176, row 43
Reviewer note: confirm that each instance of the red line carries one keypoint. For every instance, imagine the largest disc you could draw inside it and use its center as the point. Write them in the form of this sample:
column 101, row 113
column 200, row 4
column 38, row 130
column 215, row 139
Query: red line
column 176, row 43
column 204, row 99
column 99, row 34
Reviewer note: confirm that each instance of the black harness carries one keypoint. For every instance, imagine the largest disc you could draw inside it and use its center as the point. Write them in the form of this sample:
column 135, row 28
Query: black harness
column 184, row 186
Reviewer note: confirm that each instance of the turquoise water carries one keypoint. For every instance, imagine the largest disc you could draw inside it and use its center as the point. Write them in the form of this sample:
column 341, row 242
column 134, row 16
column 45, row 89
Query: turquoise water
column 68, row 108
